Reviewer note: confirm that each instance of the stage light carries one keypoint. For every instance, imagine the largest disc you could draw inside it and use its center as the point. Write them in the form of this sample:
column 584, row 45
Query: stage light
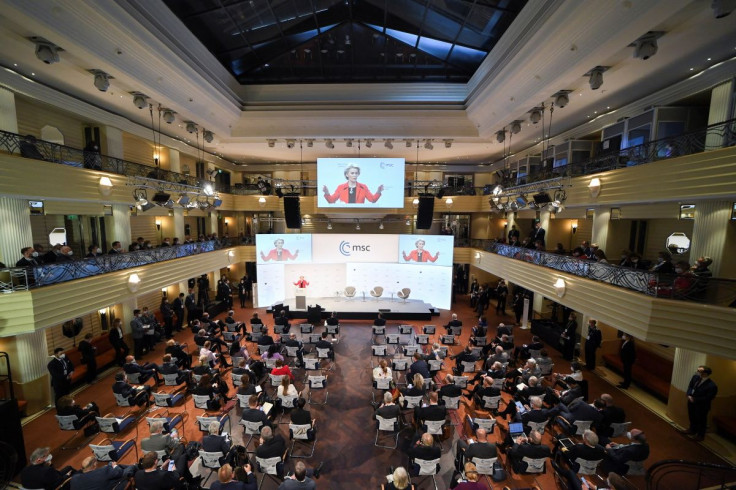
column 368, row 142
column 448, row 143
column 168, row 116
column 102, row 80
column 594, row 186
column 329, row 144
column 208, row 189
column 535, row 115
column 46, row 51
column 646, row 46
column 415, row 202
column 389, row 144
column 329, row 225
column 310, row 143
column 271, row 143
column 380, row 225
column 134, row 282
column 501, row 136
column 595, row 79
column 560, row 287
column 191, row 127
column 497, row 190
column 208, row 136
column 428, row 145
column 409, row 143
column 183, row 200
column 261, row 201
column 290, row 143
column 349, row 142
column 561, row 98
column 105, row 186
column 357, row 225
column 408, row 222
column 139, row 100
column 516, row 127
column 521, row 201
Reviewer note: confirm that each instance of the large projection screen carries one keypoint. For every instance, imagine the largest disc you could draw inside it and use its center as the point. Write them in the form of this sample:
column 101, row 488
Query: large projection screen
column 330, row 262
column 360, row 182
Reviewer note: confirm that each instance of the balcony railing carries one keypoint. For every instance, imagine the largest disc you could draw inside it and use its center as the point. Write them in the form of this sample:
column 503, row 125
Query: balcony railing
column 672, row 473
column 24, row 278
column 708, row 290
column 713, row 137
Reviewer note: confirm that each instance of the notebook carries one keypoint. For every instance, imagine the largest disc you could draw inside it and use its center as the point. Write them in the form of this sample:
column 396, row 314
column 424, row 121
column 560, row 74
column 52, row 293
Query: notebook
column 566, row 443
column 266, row 407
column 516, row 429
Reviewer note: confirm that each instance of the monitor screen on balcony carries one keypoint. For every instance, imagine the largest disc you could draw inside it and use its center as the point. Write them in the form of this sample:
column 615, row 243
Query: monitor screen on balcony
column 360, row 182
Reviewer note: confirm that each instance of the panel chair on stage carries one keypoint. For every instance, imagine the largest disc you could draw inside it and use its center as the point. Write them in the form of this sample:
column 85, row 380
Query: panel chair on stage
column 404, row 294
column 349, row 292
column 377, row 292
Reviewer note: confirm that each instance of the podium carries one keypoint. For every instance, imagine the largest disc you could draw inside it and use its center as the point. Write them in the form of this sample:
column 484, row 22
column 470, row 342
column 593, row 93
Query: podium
column 301, row 298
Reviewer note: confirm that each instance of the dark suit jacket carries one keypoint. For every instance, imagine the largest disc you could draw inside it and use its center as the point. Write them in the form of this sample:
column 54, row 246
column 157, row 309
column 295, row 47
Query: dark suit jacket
column 299, row 416
column 628, row 352
column 214, row 443
column 628, row 452
column 450, row 391
column 534, row 451
column 255, row 415
column 483, row 450
column 59, row 369
column 586, row 452
column 157, row 480
column 704, row 393
column 272, row 448
column 104, row 478
column 115, row 337
column 427, row 453
column 432, row 412
column 389, row 411
column 420, row 367
column 594, row 339
column 41, row 476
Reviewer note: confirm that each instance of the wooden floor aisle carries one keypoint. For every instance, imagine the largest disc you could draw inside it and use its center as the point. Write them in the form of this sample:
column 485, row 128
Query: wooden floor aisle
column 345, row 426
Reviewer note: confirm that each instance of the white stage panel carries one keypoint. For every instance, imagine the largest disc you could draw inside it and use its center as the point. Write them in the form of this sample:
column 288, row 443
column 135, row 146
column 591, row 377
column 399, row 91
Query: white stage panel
column 324, row 279
column 271, row 284
column 429, row 284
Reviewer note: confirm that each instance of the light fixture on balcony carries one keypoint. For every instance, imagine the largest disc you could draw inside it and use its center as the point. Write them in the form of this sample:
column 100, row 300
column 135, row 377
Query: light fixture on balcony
column 594, row 186
column 329, row 225
column 415, row 202
column 105, row 186
column 261, row 201
column 448, row 202
column 560, row 287
column 134, row 282
column 574, row 226
column 230, row 256
column 477, row 257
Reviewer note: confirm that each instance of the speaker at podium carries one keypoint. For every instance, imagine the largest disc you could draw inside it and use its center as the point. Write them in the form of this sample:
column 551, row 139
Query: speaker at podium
column 300, row 295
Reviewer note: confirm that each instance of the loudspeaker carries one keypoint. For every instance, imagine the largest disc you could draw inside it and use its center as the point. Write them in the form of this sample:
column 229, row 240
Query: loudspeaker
column 425, row 212
column 292, row 212
column 11, row 431
column 161, row 197
column 542, row 198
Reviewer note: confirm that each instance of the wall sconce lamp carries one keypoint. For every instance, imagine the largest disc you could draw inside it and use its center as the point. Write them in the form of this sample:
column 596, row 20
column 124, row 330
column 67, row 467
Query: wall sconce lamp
column 158, row 224
column 448, row 202
column 594, row 187
column 415, row 202
column 560, row 287
column 164, row 293
column 231, row 256
column 505, row 224
column 477, row 257
column 105, row 186
column 103, row 318
column 574, row 226
column 261, row 201
column 134, row 282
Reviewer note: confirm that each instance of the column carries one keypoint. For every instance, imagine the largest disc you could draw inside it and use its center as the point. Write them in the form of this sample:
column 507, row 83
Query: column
column 15, row 217
column 179, row 224
column 174, row 162
column 113, row 138
column 510, row 221
column 685, row 364
column 713, row 235
column 601, row 219
column 721, row 99
column 120, row 229
column 211, row 222
column 127, row 307
column 8, row 115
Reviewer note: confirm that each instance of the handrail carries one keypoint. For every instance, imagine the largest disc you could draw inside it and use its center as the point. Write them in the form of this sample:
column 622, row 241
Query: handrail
column 703, row 289
column 25, row 278
column 678, row 473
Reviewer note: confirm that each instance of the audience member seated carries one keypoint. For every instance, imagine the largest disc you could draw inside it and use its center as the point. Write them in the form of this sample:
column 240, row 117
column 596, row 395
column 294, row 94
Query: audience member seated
column 139, row 395
column 301, row 478
column 41, row 473
column 283, row 321
column 282, row 369
column 272, row 354
column 158, row 441
column 453, row 323
column 465, row 355
column 527, row 446
column 424, row 449
column 109, row 476
column 484, row 388
column 481, row 329
column 213, row 442
column 332, row 321
column 469, row 482
column 498, row 356
column 419, row 366
column 618, row 455
column 523, row 351
column 242, row 370
column 66, row 406
column 449, row 389
column 168, row 367
column 379, row 321
column 177, row 352
column 573, row 391
column 286, row 390
column 545, row 362
column 150, row 477
column 293, row 342
column 265, row 340
column 254, row 413
column 611, row 415
column 578, row 410
column 217, row 390
column 388, row 409
column 145, row 372
column 226, row 480
column 382, row 371
column 245, row 475
column 415, row 388
column 299, row 415
column 398, row 480
column 323, row 343
column 533, row 388
column 480, row 448
column 434, row 411
column 272, row 446
column 588, row 450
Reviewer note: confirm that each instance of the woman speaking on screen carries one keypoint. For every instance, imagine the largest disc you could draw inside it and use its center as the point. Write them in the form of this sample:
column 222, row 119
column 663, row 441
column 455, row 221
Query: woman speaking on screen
column 352, row 191
column 420, row 255
column 279, row 253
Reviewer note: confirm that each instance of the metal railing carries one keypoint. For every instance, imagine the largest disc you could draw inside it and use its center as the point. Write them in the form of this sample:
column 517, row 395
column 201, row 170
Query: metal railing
column 713, row 137
column 688, row 287
column 24, row 278
column 677, row 473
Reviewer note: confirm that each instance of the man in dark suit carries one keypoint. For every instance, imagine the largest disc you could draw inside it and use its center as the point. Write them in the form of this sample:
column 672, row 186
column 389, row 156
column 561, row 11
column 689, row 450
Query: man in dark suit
column 388, row 408
column 293, row 342
column 592, row 344
column 379, row 321
column 169, row 367
column 136, row 396
column 145, row 371
column 255, row 414
column 190, row 303
column 450, row 389
column 578, row 410
column 216, row 443
column 617, row 455
column 537, row 234
column 272, row 445
column 482, row 448
column 136, row 327
column 568, row 338
column 88, row 352
column 700, row 392
column 152, row 477
column 104, row 478
column 419, row 366
column 433, row 411
column 527, row 446
column 612, row 414
column 453, row 323
column 628, row 357
column 116, row 339
column 178, row 307
column 325, row 344
column 300, row 416
column 41, row 474
column 28, row 259
column 424, row 449
column 61, row 369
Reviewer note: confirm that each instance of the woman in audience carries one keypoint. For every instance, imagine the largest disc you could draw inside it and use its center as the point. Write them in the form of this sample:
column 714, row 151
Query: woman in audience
column 416, row 388
column 382, row 371
column 470, row 482
column 66, row 406
column 286, row 390
column 215, row 390
column 399, row 480
column 246, row 387
column 273, row 353
column 226, row 480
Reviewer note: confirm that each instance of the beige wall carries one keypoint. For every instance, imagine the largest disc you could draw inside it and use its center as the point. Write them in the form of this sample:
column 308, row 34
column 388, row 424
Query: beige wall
column 33, row 115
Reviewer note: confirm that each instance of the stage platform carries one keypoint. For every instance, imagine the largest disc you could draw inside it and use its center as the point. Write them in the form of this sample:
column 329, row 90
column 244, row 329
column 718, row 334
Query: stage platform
column 357, row 309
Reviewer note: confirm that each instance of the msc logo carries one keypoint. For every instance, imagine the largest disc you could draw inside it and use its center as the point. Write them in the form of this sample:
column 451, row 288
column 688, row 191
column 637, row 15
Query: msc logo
column 385, row 165
column 346, row 249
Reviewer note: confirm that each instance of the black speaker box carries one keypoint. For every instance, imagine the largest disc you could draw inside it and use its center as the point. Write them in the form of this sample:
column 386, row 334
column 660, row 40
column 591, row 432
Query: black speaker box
column 542, row 198
column 425, row 212
column 161, row 197
column 11, row 431
column 292, row 212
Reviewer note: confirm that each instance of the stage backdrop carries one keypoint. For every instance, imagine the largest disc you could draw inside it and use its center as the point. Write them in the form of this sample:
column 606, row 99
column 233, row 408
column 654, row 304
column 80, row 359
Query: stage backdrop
column 362, row 261
column 370, row 175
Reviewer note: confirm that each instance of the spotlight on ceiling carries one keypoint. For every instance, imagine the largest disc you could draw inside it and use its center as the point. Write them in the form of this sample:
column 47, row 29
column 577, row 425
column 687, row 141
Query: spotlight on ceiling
column 139, row 100
column 329, row 144
column 349, row 142
column 208, row 189
column 646, row 46
column 561, row 98
column 183, row 200
column 501, row 135
column 448, row 143
column 512, row 206
column 208, row 136
column 191, row 127
column 428, row 144
column 168, row 116
column 310, row 143
column 535, row 115
column 409, row 143
column 721, row 8
column 46, row 51
column 497, row 190
column 290, row 143
column 329, row 225
column 595, row 77
column 516, row 127
column 521, row 201
column 141, row 200
column 368, row 142
column 102, row 80
column 389, row 144
column 271, row 143
column 357, row 225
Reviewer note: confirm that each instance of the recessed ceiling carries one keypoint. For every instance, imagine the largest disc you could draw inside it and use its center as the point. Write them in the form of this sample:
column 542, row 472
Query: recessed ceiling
column 343, row 41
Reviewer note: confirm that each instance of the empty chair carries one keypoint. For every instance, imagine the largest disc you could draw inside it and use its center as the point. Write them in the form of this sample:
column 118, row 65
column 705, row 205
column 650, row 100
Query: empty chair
column 270, row 467
column 535, row 465
column 404, row 294
column 169, row 421
column 447, row 339
column 487, row 424
column 490, row 402
column 406, row 329
column 250, row 429
column 305, row 434
column 349, row 292
column 587, row 467
column 110, row 424
column 379, row 330
column 71, row 422
column 211, row 461
column 461, row 381
column 107, row 450
column 468, row 366
column 428, row 468
column 163, row 399
column 620, row 429
column 317, row 382
column 306, row 328
column 409, row 350
column 387, row 425
column 429, row 329
column 538, row 426
column 377, row 292
column 456, row 330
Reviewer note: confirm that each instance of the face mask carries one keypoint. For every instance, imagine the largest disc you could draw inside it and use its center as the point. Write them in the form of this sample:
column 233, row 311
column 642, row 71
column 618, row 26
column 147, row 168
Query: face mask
column 49, row 458
column 34, row 254
column 119, row 249
column 62, row 355
column 678, row 270
column 70, row 253
column 99, row 251
column 628, row 434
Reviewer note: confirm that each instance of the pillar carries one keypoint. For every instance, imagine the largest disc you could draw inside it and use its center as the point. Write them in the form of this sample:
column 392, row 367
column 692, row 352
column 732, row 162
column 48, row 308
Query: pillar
column 29, row 369
column 601, row 220
column 113, row 138
column 174, row 162
column 721, row 100
column 120, row 229
column 179, row 224
column 127, row 307
column 510, row 221
column 713, row 234
column 211, row 222
column 15, row 217
column 8, row 115
column 685, row 364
